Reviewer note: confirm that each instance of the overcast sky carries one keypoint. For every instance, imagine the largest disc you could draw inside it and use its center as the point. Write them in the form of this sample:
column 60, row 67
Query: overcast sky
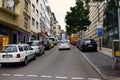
column 60, row 7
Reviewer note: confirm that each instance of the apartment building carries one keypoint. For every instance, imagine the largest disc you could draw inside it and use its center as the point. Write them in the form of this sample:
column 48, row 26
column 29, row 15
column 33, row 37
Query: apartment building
column 40, row 19
column 53, row 25
column 14, row 21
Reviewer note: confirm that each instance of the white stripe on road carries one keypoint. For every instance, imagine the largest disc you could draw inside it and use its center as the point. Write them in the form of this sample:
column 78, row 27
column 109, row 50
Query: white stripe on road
column 18, row 75
column 93, row 79
column 5, row 74
column 44, row 76
column 32, row 75
column 61, row 77
column 77, row 78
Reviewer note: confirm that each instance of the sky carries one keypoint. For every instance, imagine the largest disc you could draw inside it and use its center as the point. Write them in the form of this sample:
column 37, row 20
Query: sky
column 60, row 7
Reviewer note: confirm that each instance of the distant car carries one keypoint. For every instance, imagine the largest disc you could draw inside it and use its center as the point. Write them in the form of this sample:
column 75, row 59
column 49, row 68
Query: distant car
column 51, row 43
column 46, row 44
column 54, row 40
column 37, row 46
column 64, row 44
column 88, row 45
column 16, row 53
column 78, row 42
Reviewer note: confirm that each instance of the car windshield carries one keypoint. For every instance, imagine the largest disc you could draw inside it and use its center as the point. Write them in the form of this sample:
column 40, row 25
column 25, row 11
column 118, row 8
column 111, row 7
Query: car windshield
column 8, row 49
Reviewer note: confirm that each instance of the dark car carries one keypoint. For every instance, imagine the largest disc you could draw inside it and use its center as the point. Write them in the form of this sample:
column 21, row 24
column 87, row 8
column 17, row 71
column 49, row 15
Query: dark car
column 46, row 44
column 88, row 45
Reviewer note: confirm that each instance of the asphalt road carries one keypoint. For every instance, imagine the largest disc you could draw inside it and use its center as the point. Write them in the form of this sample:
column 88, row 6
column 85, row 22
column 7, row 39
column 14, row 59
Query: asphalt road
column 53, row 65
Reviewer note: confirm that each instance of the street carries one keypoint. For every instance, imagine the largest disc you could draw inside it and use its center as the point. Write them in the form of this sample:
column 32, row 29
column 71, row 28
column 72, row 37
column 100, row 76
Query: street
column 53, row 65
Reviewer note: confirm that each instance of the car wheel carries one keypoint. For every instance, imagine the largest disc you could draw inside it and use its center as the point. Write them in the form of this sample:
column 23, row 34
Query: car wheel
column 3, row 64
column 25, row 62
column 34, row 57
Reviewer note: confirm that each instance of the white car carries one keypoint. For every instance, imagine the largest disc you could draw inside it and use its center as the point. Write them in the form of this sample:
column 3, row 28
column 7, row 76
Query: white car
column 64, row 44
column 37, row 46
column 16, row 53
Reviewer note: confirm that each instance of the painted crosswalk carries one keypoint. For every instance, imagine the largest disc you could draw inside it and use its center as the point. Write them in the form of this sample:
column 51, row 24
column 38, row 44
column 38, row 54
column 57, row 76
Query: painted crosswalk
column 47, row 76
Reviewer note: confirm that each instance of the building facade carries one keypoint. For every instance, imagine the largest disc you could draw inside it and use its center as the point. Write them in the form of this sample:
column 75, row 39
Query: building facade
column 14, row 21
column 94, row 15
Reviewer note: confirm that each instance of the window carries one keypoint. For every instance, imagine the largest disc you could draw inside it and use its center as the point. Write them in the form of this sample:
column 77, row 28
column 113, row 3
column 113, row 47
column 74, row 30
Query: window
column 37, row 1
column 33, row 21
column 25, row 22
column 20, row 48
column 8, row 49
column 33, row 8
column 37, row 12
column 37, row 25
column 25, row 48
column 26, row 5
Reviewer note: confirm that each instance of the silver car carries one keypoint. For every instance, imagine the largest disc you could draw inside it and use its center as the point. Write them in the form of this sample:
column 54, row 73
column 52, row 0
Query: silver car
column 64, row 44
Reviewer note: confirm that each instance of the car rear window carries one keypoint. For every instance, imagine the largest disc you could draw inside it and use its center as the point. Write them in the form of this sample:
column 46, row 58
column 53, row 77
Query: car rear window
column 63, row 41
column 8, row 49
column 89, row 41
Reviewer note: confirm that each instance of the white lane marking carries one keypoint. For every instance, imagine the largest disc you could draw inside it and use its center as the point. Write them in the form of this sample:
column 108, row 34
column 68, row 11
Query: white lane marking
column 44, row 76
column 5, row 74
column 93, row 79
column 18, row 75
column 32, row 75
column 77, row 78
column 59, row 77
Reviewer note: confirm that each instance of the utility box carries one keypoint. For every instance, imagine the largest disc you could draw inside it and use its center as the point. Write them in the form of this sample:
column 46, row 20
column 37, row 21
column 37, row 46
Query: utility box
column 115, row 48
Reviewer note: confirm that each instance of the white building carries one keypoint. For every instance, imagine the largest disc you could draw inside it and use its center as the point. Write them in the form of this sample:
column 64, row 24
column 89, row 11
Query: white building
column 40, row 19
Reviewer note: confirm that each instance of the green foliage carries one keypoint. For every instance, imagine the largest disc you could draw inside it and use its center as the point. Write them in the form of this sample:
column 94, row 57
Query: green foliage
column 78, row 19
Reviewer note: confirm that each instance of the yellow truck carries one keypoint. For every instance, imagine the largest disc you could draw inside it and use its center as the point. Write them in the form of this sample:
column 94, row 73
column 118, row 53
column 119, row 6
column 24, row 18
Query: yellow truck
column 73, row 40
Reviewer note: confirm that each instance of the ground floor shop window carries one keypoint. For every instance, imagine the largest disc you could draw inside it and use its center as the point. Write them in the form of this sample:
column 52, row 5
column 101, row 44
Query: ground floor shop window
column 3, row 40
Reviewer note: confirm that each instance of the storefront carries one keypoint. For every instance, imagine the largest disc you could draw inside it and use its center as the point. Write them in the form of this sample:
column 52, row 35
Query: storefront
column 23, row 37
column 4, row 39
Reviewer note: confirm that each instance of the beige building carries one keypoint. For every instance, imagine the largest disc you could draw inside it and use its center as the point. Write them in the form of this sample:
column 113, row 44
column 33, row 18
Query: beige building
column 14, row 21
column 92, row 29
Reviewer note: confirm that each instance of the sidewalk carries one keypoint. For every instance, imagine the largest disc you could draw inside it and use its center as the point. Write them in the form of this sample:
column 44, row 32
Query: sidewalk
column 102, row 62
column 106, row 51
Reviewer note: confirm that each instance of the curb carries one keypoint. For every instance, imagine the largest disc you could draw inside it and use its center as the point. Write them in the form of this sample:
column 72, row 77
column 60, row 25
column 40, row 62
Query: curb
column 93, row 66
column 99, row 72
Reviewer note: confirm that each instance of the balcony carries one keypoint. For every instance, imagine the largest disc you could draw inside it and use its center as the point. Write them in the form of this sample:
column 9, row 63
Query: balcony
column 10, row 10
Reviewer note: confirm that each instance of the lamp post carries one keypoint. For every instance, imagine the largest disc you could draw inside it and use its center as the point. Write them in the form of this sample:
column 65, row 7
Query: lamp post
column 99, row 25
column 118, row 4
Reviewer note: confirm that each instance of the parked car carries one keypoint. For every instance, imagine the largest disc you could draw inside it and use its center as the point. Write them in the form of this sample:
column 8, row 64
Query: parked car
column 37, row 46
column 64, row 44
column 51, row 43
column 87, row 45
column 54, row 40
column 46, row 44
column 78, row 42
column 16, row 53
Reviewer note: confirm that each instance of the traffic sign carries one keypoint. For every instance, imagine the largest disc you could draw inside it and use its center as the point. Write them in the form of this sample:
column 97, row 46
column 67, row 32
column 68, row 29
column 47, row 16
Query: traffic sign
column 99, row 32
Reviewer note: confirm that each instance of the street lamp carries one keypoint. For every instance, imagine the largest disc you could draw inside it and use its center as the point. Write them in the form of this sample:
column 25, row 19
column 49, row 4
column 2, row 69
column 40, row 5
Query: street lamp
column 118, row 4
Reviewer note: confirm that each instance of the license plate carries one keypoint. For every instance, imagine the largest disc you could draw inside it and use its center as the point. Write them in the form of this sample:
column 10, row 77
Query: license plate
column 7, row 56
column 90, row 45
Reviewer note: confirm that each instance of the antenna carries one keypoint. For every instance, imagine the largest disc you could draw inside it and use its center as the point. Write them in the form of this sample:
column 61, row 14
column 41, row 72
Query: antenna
column 10, row 3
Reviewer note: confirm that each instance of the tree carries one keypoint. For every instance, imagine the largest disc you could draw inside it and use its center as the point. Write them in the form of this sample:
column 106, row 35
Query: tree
column 78, row 19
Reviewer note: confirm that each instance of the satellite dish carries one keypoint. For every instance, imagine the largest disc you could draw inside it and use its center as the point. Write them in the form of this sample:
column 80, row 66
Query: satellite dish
column 10, row 3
